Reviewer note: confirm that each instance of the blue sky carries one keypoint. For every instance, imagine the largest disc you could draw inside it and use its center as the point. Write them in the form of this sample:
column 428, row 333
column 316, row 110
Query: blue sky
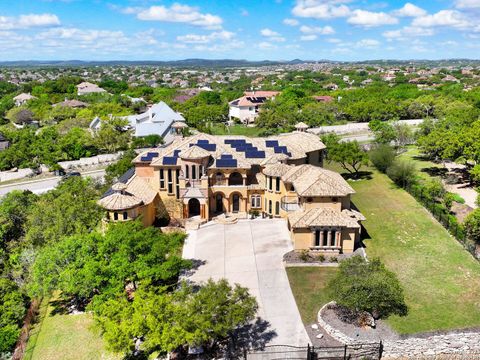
column 253, row 30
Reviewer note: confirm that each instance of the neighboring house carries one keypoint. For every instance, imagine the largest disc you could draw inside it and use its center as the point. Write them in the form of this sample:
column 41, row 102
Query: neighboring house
column 157, row 120
column 201, row 177
column 85, row 88
column 331, row 86
column 23, row 98
column 247, row 107
column 75, row 104
column 4, row 143
column 325, row 99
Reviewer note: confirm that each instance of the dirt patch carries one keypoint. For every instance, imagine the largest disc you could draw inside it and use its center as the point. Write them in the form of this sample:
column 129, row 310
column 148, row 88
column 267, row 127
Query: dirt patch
column 461, row 211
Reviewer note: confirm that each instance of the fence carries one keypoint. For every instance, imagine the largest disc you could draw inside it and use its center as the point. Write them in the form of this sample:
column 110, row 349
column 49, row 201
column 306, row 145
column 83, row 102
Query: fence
column 367, row 351
column 442, row 214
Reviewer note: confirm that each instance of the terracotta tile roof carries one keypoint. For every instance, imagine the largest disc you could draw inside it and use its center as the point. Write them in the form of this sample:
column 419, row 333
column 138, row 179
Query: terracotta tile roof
column 309, row 180
column 277, row 169
column 262, row 93
column 126, row 196
column 194, row 152
column 321, row 217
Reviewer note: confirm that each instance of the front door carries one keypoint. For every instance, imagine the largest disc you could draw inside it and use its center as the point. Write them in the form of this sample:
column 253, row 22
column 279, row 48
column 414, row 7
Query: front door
column 236, row 203
column 193, row 207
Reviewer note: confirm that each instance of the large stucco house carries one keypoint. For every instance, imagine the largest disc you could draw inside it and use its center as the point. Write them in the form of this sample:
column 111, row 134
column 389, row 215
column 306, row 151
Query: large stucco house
column 247, row 107
column 202, row 176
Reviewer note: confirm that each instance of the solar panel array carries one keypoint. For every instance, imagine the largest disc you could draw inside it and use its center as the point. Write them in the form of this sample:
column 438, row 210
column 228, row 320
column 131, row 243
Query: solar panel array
column 271, row 143
column 226, row 161
column 149, row 157
column 281, row 150
column 205, row 144
column 171, row 160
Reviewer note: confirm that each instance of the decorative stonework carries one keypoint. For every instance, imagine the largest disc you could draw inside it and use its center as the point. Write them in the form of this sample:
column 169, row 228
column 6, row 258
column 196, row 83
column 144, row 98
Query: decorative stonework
column 428, row 347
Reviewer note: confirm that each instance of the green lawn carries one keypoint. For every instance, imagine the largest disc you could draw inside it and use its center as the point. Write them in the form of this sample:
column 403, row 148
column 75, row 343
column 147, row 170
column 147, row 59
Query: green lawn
column 426, row 168
column 221, row 129
column 441, row 279
column 68, row 337
column 308, row 285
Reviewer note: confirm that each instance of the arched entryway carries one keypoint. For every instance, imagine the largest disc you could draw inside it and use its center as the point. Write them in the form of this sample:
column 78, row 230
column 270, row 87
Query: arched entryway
column 193, row 207
column 219, row 203
column 235, row 178
column 236, row 202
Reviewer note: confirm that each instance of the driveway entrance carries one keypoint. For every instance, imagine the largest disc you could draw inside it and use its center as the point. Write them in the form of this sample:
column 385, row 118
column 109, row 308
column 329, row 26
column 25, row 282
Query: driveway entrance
column 250, row 253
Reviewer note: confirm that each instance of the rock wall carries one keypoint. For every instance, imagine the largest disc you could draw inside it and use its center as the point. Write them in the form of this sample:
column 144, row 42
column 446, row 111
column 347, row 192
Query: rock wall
column 94, row 160
column 14, row 175
column 426, row 347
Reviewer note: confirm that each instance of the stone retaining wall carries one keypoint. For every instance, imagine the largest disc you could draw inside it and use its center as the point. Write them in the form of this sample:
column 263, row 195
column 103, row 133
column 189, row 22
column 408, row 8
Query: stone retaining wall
column 426, row 347
column 90, row 161
column 14, row 175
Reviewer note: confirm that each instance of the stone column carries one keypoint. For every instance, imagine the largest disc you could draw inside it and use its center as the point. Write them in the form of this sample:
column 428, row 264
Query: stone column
column 329, row 238
column 321, row 238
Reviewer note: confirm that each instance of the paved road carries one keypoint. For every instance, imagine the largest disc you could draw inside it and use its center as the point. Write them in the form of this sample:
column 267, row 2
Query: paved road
column 43, row 185
column 250, row 253
column 354, row 128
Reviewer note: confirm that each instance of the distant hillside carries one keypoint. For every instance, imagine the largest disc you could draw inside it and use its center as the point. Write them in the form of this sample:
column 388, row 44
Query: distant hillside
column 187, row 63
column 225, row 63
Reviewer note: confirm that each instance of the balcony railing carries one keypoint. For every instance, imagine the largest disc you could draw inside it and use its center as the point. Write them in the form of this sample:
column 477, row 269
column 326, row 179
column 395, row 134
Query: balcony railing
column 290, row 203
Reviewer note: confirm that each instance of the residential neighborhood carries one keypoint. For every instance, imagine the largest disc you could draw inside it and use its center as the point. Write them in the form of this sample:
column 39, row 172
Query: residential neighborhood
column 284, row 179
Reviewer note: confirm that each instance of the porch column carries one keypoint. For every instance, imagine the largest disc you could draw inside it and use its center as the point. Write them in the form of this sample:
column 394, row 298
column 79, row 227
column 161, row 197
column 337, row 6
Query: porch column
column 185, row 211
column 246, row 204
column 321, row 238
column 329, row 238
column 202, row 211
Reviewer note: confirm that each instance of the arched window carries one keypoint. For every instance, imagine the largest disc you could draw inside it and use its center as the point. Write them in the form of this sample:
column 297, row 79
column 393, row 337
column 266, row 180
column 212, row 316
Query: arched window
column 194, row 172
column 235, row 178
column 115, row 216
column 270, row 207
column 277, row 208
column 200, row 171
column 187, row 172
column 125, row 215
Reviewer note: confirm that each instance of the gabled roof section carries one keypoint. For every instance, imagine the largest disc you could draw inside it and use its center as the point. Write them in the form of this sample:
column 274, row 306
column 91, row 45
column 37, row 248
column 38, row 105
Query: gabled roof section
column 321, row 217
column 194, row 152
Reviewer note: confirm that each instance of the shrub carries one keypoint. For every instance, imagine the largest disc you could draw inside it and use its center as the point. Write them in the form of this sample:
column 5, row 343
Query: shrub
column 321, row 258
column 382, row 157
column 402, row 172
column 433, row 189
column 472, row 226
column 304, row 255
column 367, row 286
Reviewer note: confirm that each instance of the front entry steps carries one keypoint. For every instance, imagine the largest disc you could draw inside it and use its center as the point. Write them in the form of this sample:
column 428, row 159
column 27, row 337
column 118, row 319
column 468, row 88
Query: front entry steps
column 193, row 223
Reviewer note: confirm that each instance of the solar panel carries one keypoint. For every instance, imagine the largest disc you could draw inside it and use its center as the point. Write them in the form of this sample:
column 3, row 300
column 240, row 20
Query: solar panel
column 203, row 142
column 280, row 149
column 271, row 143
column 169, row 160
column 228, row 141
column 176, row 153
column 146, row 158
column 152, row 154
column 226, row 163
column 208, row 147
column 226, row 156
column 255, row 154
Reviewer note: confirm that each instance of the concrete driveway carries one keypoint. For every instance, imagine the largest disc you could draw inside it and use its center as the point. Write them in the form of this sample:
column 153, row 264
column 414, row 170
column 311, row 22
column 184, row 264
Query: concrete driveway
column 250, row 253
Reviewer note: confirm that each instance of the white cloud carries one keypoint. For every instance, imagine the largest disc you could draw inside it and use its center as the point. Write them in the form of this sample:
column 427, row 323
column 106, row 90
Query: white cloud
column 408, row 32
column 321, row 9
column 448, row 18
column 326, row 30
column 265, row 45
column 410, row 10
column 179, row 13
column 308, row 37
column 28, row 21
column 291, row 22
column 371, row 19
column 272, row 35
column 367, row 43
column 204, row 39
column 269, row 33
column 468, row 4
column 334, row 41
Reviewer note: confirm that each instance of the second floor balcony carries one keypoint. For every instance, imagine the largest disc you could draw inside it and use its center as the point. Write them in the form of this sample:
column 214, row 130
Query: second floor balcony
column 290, row 203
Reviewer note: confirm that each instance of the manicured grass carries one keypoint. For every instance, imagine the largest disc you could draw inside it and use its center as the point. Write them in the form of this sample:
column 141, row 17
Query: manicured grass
column 236, row 130
column 426, row 168
column 441, row 280
column 69, row 337
column 308, row 287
